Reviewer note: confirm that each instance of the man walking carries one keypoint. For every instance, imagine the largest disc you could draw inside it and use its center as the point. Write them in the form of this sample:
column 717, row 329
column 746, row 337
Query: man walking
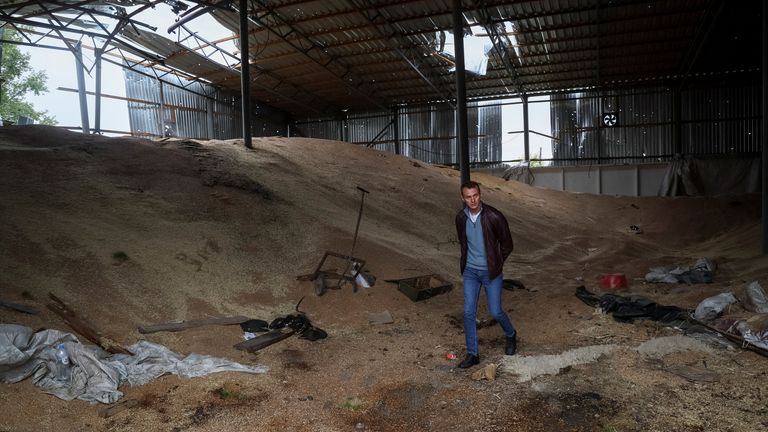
column 486, row 242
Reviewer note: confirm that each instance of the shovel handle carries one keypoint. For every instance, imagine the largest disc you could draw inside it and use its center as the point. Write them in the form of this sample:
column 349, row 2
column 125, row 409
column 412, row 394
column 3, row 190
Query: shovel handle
column 362, row 190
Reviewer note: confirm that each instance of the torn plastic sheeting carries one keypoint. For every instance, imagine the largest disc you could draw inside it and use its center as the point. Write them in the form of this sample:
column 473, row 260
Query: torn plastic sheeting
column 758, row 338
column 631, row 308
column 701, row 272
column 755, row 299
column 93, row 374
column 712, row 307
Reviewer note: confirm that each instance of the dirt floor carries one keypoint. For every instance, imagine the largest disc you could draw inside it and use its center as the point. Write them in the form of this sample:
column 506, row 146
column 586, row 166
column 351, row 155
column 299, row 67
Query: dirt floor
column 131, row 232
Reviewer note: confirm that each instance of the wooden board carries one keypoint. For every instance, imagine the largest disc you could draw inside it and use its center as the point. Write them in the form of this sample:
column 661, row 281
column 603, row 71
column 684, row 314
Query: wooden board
column 19, row 307
column 265, row 340
column 178, row 326
column 84, row 328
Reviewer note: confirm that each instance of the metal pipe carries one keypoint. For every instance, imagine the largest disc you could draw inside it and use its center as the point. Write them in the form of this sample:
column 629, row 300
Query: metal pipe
column 81, row 88
column 245, row 74
column 189, row 17
column 462, row 138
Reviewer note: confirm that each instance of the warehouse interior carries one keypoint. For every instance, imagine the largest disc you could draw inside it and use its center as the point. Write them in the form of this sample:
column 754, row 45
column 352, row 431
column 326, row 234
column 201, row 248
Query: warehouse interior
column 622, row 139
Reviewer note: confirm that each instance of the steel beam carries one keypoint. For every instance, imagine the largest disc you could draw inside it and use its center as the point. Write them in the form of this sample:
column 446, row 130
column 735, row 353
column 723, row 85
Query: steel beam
column 81, row 88
column 97, row 107
column 764, row 172
column 296, row 39
column 462, row 136
column 245, row 76
column 412, row 56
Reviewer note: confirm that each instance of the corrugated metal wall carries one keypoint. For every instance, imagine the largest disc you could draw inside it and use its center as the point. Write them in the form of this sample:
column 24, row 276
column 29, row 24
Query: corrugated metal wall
column 195, row 111
column 426, row 133
column 721, row 120
column 713, row 121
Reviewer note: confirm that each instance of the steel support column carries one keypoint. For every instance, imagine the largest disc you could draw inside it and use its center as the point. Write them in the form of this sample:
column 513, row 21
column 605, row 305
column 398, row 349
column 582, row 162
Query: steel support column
column 209, row 113
column 764, row 135
column 245, row 75
column 396, row 128
column 97, row 105
column 526, row 130
column 462, row 135
column 677, row 125
column 161, row 112
column 2, row 42
column 81, row 87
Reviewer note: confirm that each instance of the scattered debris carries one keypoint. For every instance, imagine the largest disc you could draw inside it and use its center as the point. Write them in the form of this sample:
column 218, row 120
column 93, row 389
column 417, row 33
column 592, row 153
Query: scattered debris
column 634, row 229
column 422, row 287
column 383, row 317
column 613, row 281
column 19, row 307
column 755, row 299
column 630, row 308
column 694, row 374
column 83, row 327
column 520, row 172
column 486, row 373
column 254, row 326
column 513, row 284
column 701, row 272
column 265, row 340
column 118, row 407
column 281, row 329
column 119, row 257
column 184, row 325
column 712, row 307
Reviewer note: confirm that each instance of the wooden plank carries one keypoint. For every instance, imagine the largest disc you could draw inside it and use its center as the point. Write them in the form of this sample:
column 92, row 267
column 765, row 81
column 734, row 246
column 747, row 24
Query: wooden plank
column 82, row 327
column 19, row 307
column 265, row 340
column 183, row 325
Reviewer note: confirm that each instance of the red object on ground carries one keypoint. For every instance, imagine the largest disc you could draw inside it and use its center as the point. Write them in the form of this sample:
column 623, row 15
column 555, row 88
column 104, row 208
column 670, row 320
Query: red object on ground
column 613, row 280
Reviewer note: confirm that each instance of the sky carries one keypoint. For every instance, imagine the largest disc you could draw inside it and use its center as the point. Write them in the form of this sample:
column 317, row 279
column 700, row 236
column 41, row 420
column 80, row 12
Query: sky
column 60, row 66
column 63, row 105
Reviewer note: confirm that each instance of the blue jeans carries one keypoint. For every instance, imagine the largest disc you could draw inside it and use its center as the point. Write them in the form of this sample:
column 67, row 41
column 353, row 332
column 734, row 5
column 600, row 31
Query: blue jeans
column 473, row 279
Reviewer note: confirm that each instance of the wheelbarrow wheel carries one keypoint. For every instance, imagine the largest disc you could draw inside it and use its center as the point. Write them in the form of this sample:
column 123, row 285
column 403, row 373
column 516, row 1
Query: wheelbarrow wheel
column 320, row 285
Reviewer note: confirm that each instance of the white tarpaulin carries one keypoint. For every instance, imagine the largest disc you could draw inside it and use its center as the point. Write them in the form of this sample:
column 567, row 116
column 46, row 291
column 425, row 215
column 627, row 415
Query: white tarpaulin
column 93, row 374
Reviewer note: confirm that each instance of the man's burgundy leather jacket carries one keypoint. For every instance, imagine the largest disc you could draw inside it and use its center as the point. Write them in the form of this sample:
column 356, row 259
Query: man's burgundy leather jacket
column 498, row 239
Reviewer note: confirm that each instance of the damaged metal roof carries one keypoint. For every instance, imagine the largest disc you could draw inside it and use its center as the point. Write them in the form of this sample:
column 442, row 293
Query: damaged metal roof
column 333, row 55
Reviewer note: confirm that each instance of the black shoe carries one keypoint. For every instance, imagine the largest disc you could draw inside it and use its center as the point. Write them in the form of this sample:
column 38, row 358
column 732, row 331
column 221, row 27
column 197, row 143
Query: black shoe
column 511, row 347
column 469, row 360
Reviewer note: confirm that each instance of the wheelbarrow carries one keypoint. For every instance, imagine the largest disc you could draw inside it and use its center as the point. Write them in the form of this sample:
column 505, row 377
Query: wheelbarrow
column 352, row 265
column 322, row 277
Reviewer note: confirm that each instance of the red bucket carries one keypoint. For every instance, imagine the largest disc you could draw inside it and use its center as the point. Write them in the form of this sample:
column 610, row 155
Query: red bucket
column 613, row 280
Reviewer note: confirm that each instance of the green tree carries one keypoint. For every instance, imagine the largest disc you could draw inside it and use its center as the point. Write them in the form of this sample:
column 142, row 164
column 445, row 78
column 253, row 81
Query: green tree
column 17, row 80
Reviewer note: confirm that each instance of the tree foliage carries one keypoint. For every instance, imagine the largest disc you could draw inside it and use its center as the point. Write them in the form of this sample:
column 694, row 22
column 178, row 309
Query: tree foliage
column 17, row 80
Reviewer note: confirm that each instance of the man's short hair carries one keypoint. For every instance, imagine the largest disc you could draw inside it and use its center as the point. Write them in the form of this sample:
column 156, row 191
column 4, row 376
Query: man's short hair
column 469, row 185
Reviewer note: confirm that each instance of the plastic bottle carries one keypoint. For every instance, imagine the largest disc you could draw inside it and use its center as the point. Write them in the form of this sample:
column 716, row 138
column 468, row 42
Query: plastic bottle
column 61, row 354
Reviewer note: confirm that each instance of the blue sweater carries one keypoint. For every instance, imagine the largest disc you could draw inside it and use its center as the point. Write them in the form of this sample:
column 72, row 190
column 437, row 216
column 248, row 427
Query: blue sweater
column 475, row 243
